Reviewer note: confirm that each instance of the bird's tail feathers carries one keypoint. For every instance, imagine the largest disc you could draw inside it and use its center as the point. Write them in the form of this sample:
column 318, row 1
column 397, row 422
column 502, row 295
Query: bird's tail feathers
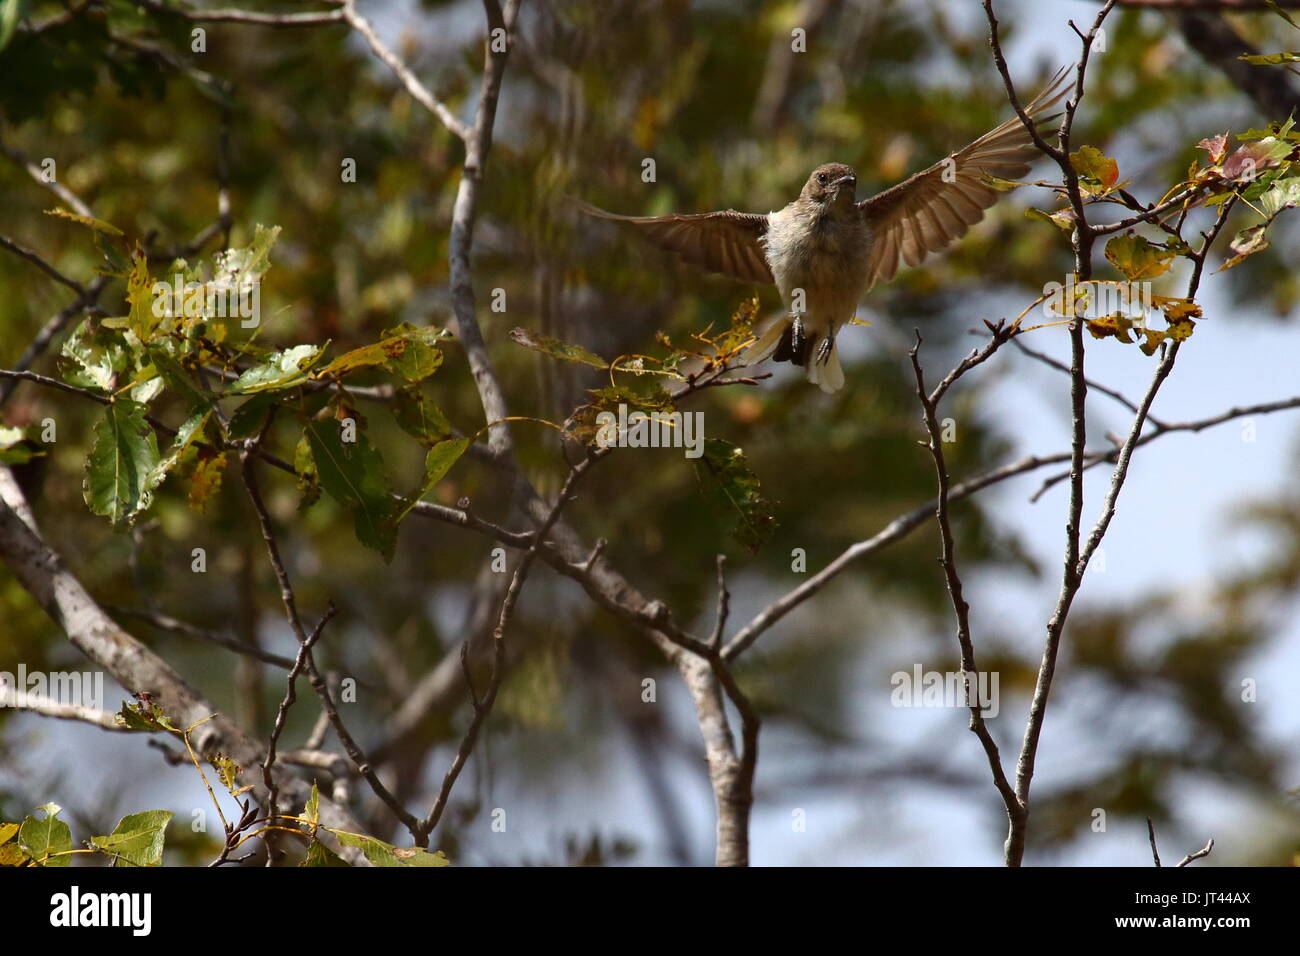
column 767, row 342
column 826, row 373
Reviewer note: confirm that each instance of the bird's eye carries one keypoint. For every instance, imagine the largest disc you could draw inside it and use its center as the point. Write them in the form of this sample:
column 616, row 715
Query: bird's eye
column 821, row 178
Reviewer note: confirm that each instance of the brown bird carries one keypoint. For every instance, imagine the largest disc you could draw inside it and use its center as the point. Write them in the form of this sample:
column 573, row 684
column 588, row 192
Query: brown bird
column 825, row 249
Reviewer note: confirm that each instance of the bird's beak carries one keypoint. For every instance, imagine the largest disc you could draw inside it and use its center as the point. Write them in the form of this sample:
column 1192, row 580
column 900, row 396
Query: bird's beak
column 850, row 181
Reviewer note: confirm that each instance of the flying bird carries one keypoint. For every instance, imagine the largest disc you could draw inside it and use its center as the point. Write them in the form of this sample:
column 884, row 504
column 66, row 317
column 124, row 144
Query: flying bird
column 826, row 248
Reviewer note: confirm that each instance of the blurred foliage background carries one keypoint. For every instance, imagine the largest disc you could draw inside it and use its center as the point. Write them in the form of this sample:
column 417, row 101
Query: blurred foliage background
column 711, row 92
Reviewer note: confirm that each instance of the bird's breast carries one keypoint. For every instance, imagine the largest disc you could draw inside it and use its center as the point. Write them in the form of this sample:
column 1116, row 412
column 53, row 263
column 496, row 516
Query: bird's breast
column 824, row 255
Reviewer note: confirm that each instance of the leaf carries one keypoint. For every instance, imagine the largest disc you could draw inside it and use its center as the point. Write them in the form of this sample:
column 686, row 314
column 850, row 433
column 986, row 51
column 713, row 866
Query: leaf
column 105, row 228
column 308, row 480
column 1245, row 244
column 99, row 351
column 144, row 717
column 16, row 450
column 1281, row 194
column 1270, row 59
column 739, row 487
column 1252, row 158
column 1062, row 219
column 227, row 770
column 7, row 832
column 178, row 379
column 206, row 479
column 549, row 345
column 1117, row 325
column 407, row 350
column 41, row 838
column 416, row 415
column 437, row 463
column 1272, row 4
column 1098, row 172
column 318, row 854
column 247, row 419
column 137, row 840
column 312, row 810
column 287, row 369
column 352, row 473
column 121, row 463
column 385, row 854
column 1138, row 258
column 139, row 294
column 8, row 20
column 1216, row 146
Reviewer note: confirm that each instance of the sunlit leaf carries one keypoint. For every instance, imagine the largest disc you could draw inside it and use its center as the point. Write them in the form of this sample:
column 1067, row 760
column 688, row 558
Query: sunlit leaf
column 287, row 369
column 137, row 840
column 1138, row 258
column 380, row 853
column 40, row 839
column 727, row 471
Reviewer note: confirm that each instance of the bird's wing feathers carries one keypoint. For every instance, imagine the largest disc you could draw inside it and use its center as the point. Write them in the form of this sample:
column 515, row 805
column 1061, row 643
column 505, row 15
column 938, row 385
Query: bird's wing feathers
column 926, row 213
column 725, row 242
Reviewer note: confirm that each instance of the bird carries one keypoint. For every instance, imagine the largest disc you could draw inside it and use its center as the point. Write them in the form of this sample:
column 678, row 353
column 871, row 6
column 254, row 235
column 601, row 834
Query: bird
column 827, row 248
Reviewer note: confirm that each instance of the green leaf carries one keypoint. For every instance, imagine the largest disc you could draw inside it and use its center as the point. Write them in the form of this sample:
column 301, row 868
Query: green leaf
column 9, row 10
column 100, row 353
column 137, row 840
column 385, row 854
column 436, row 465
column 1062, row 219
column 407, row 350
column 139, row 293
column 121, row 463
column 101, row 227
column 739, row 488
column 549, row 345
column 352, row 473
column 246, row 421
column 312, row 811
column 178, row 379
column 144, row 717
column 189, row 432
column 287, row 369
column 1098, row 173
column 1270, row 59
column 1138, row 258
column 416, row 415
column 15, row 449
column 318, row 854
column 40, row 839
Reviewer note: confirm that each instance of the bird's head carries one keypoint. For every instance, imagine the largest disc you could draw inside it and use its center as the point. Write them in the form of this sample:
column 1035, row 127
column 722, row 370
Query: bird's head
column 831, row 183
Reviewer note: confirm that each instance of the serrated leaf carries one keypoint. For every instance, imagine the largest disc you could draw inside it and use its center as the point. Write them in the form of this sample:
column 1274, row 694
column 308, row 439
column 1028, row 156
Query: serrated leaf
column 287, row 369
column 100, row 353
column 352, row 473
column 40, row 839
column 191, row 430
column 318, row 854
column 121, row 463
column 137, row 840
column 142, row 717
column 227, row 770
column 1138, row 258
column 552, row 346
column 380, row 853
column 725, row 466
column 407, row 350
column 106, row 228
column 1216, row 146
column 139, row 294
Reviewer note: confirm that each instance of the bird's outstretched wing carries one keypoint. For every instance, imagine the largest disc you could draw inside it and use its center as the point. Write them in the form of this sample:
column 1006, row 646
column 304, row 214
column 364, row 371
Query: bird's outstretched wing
column 925, row 213
column 725, row 242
